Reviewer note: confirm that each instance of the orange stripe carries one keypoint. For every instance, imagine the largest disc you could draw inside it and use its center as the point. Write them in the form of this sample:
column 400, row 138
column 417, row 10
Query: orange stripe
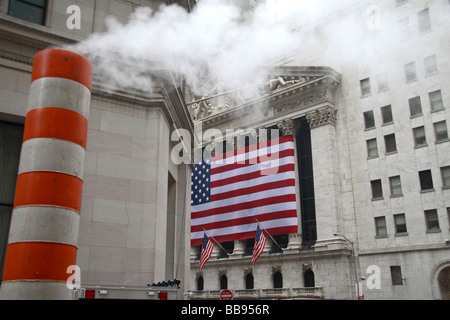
column 58, row 63
column 48, row 189
column 56, row 123
column 38, row 261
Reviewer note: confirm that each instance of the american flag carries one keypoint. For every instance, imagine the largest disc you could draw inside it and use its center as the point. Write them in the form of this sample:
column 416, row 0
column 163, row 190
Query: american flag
column 232, row 191
column 207, row 248
column 260, row 242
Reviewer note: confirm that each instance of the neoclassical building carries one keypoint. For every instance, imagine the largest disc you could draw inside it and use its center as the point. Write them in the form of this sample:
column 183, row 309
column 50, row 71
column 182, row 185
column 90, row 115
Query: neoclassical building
column 365, row 96
column 366, row 99
column 133, row 217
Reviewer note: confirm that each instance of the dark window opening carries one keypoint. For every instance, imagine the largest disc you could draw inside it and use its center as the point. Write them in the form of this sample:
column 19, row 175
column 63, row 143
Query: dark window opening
column 29, row 10
column 306, row 181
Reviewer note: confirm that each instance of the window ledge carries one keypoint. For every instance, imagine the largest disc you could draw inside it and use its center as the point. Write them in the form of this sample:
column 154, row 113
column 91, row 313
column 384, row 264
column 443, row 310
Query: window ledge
column 401, row 234
column 442, row 141
column 434, row 231
column 391, row 152
column 427, row 190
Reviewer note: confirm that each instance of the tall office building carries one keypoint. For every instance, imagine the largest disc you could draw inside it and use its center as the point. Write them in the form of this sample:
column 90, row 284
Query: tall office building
column 365, row 96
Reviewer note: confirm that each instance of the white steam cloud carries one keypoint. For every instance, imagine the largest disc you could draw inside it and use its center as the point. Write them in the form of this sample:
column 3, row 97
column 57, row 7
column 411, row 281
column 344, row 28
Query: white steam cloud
column 217, row 36
column 228, row 43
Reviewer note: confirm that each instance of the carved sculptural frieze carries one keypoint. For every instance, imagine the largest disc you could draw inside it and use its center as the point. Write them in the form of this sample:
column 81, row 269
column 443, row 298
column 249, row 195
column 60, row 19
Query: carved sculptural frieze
column 279, row 82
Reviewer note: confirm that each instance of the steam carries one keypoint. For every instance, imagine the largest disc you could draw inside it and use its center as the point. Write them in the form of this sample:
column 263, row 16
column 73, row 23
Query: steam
column 221, row 41
column 216, row 39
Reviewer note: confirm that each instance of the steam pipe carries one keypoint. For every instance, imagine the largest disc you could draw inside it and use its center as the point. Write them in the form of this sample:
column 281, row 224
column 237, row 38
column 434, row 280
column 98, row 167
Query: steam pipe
column 43, row 235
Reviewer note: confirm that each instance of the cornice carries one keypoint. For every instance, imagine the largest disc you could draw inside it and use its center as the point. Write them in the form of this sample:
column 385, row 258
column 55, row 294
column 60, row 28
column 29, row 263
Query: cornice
column 316, row 88
column 31, row 35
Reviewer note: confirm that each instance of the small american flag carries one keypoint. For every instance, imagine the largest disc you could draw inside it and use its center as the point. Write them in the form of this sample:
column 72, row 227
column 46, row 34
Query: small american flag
column 234, row 190
column 260, row 242
column 207, row 249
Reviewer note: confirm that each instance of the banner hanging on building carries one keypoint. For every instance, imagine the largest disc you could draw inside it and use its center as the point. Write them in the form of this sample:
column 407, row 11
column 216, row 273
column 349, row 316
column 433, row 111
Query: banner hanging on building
column 234, row 190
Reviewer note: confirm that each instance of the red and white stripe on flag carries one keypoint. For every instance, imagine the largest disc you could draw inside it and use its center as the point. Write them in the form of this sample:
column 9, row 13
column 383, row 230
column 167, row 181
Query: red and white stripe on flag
column 207, row 248
column 235, row 190
column 260, row 242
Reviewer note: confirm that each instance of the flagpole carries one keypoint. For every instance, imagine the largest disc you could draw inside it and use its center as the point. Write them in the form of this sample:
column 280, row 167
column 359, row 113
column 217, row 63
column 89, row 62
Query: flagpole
column 216, row 242
column 259, row 223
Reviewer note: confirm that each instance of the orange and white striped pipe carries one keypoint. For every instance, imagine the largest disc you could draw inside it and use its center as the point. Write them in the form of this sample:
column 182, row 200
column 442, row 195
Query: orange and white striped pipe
column 44, row 229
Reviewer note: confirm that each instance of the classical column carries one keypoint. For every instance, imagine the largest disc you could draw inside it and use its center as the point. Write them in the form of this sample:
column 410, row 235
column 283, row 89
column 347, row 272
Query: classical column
column 322, row 123
column 43, row 235
column 288, row 128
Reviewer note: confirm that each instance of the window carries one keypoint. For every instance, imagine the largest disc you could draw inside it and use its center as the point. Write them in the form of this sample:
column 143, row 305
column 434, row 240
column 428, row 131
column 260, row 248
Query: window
column 309, row 280
column 440, row 131
column 432, row 220
column 229, row 248
column 365, row 87
column 410, row 71
column 396, row 186
column 448, row 215
column 389, row 141
column 377, row 191
column 415, row 106
column 277, row 280
column 423, row 19
column 29, row 10
column 223, row 282
column 11, row 136
column 369, row 120
column 419, row 136
column 372, row 149
column 436, row 101
column 380, row 227
column 396, row 276
column 249, row 282
column 430, row 65
column 382, row 81
column 200, row 284
column 386, row 114
column 445, row 173
column 400, row 223
column 426, row 181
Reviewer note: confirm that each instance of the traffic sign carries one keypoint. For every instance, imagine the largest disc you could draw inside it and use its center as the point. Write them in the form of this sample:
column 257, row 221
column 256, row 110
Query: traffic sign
column 226, row 295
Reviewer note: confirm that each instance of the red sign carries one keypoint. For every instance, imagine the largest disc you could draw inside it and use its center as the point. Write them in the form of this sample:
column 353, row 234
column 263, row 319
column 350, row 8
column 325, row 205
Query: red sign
column 226, row 295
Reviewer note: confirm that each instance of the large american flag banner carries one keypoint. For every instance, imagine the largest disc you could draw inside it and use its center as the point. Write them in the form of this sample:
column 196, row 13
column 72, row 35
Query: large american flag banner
column 231, row 192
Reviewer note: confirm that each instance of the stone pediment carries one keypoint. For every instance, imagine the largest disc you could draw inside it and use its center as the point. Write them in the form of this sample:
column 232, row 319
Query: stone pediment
column 283, row 91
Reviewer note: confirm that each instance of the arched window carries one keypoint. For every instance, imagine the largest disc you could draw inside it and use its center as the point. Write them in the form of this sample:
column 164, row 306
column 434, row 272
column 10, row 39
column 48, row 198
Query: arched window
column 444, row 283
column 249, row 283
column 309, row 279
column 200, row 284
column 277, row 280
column 223, row 282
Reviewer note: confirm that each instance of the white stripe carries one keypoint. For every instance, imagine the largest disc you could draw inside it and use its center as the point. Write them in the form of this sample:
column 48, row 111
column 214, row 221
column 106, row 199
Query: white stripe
column 245, row 213
column 43, row 223
column 289, row 175
column 245, row 198
column 59, row 93
column 264, row 152
column 253, row 168
column 42, row 154
column 287, row 222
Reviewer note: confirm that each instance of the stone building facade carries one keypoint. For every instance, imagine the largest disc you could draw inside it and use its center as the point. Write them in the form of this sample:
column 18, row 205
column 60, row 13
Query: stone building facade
column 134, row 212
column 365, row 97
column 370, row 125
